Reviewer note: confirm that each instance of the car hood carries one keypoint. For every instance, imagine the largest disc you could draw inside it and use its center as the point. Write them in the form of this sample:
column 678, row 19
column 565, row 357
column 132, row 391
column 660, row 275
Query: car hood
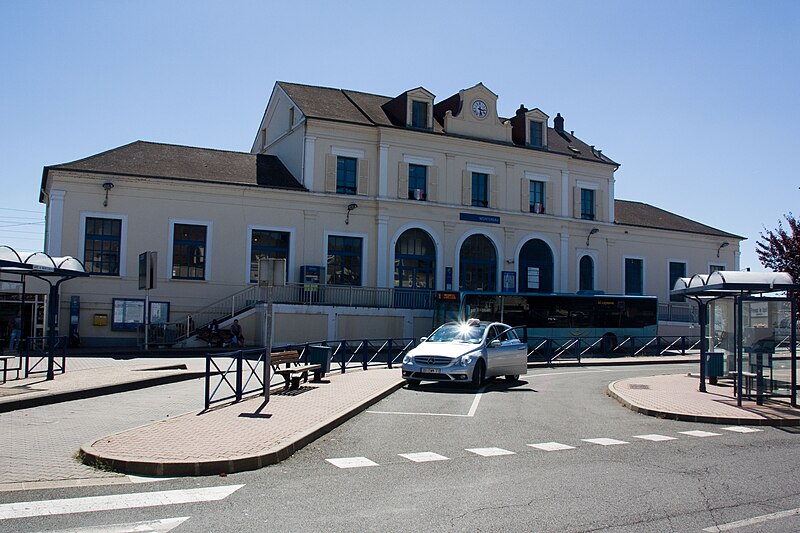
column 444, row 349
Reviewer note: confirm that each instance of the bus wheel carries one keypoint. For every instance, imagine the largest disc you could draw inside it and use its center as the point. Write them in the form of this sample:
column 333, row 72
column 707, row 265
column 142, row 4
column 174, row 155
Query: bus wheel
column 608, row 343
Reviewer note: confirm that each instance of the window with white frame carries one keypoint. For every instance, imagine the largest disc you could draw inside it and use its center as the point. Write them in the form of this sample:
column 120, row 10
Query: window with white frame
column 677, row 270
column 189, row 248
column 417, row 182
column 537, row 196
column 102, row 245
column 344, row 260
column 267, row 244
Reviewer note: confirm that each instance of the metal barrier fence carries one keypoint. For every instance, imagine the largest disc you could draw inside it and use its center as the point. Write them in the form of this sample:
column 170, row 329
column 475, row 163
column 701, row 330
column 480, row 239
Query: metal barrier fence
column 35, row 355
column 244, row 382
column 550, row 349
column 362, row 353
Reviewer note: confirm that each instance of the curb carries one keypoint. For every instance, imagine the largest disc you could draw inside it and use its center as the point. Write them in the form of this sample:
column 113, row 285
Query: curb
column 80, row 394
column 776, row 422
column 233, row 465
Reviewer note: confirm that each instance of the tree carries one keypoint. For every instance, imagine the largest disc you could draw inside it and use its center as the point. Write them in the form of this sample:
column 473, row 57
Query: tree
column 779, row 249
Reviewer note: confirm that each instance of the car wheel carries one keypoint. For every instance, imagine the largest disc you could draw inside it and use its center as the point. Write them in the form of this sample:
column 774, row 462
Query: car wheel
column 478, row 374
column 513, row 379
column 413, row 383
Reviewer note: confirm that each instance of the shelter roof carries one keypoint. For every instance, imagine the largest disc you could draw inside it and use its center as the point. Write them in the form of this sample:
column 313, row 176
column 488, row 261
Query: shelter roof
column 39, row 264
column 733, row 283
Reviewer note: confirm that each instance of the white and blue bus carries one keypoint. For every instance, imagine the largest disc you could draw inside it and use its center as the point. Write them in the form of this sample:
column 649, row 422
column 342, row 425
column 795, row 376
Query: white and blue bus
column 606, row 318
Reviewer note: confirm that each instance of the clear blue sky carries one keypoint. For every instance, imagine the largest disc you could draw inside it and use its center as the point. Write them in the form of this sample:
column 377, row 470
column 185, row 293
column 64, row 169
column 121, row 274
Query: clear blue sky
column 696, row 99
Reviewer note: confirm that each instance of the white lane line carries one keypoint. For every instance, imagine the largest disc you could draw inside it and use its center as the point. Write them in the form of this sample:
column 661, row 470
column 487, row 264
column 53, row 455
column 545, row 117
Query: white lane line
column 471, row 413
column 146, row 479
column 489, row 452
column 351, row 462
column 752, row 521
column 654, row 437
column 551, row 446
column 156, row 526
column 119, row 501
column 698, row 433
column 742, row 429
column 423, row 457
column 605, row 442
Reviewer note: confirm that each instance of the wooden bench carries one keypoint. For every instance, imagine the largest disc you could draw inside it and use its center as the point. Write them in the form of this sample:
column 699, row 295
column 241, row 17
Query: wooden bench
column 294, row 371
column 4, row 359
column 223, row 339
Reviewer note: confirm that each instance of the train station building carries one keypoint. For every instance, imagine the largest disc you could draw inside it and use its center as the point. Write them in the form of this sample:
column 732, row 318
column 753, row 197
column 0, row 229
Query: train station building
column 375, row 202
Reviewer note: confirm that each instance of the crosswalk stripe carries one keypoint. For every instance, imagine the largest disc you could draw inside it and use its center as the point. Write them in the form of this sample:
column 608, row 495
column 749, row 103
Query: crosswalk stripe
column 698, row 433
column 423, row 457
column 551, row 446
column 742, row 429
column 119, row 501
column 155, row 526
column 654, row 437
column 489, row 452
column 351, row 462
column 605, row 442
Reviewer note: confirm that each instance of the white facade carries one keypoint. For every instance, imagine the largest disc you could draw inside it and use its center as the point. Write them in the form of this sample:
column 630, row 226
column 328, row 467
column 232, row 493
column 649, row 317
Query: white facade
column 473, row 174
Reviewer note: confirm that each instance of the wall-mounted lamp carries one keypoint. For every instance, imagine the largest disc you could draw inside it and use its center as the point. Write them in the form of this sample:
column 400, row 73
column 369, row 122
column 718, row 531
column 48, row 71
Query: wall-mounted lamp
column 350, row 207
column 592, row 232
column 107, row 185
column 721, row 246
column 510, row 261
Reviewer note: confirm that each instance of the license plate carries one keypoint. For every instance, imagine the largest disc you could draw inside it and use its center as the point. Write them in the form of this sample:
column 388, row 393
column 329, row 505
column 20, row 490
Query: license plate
column 430, row 370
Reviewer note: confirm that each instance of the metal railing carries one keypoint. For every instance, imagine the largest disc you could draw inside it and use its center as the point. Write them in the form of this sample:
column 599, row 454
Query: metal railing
column 677, row 312
column 234, row 381
column 541, row 349
column 363, row 353
column 35, row 355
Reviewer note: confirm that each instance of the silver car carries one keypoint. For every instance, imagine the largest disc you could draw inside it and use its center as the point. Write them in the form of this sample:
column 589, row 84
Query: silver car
column 467, row 352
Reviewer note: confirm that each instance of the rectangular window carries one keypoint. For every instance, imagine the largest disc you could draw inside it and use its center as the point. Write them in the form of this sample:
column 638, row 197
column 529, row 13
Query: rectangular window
column 634, row 276
column 102, row 241
column 537, row 197
column 715, row 268
column 267, row 244
column 480, row 189
column 417, row 182
column 536, row 133
column 587, row 204
column 346, row 168
column 676, row 270
column 344, row 260
column 189, row 251
column 419, row 114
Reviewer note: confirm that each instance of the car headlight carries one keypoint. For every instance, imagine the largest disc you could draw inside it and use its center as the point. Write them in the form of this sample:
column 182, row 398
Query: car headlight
column 407, row 359
column 467, row 359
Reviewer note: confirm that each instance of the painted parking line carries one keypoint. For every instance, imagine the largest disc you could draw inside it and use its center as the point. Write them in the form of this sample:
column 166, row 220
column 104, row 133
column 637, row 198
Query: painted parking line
column 471, row 413
column 156, row 526
column 742, row 429
column 654, row 437
column 698, row 433
column 551, row 446
column 423, row 457
column 605, row 442
column 752, row 521
column 490, row 452
column 351, row 462
column 109, row 503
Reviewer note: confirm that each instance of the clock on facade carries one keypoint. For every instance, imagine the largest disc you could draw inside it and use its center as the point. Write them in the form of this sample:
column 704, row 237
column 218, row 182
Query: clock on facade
column 479, row 108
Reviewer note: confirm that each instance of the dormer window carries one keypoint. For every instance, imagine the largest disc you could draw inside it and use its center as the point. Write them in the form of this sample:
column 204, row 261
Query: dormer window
column 419, row 114
column 536, row 133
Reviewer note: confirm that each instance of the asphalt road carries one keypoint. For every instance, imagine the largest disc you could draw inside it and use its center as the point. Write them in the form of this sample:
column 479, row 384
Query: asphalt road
column 485, row 474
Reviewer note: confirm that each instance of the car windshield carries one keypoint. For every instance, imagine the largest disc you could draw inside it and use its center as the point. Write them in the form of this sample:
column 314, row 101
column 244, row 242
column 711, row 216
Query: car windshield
column 471, row 334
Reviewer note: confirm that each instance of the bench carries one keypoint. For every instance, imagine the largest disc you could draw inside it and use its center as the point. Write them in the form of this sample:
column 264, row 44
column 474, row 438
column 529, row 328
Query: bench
column 4, row 359
column 223, row 339
column 294, row 371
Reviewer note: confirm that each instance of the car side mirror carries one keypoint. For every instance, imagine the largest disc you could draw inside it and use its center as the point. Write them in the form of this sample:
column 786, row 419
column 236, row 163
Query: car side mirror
column 494, row 344
column 423, row 339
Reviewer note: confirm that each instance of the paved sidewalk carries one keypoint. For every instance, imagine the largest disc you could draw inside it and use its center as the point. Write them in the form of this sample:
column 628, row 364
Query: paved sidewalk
column 677, row 397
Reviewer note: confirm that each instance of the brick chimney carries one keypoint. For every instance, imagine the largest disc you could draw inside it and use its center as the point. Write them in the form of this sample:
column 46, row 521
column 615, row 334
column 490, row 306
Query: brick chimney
column 558, row 123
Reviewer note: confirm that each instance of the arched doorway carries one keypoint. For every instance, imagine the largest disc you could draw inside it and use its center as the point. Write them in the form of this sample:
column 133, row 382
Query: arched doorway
column 535, row 267
column 415, row 261
column 477, row 264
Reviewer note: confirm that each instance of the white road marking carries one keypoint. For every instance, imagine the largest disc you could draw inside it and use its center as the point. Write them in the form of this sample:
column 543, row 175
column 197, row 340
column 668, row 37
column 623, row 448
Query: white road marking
column 489, row 452
column 698, row 433
column 423, row 457
column 654, row 437
column 752, row 521
column 473, row 408
column 551, row 446
column 351, row 462
column 119, row 501
column 605, row 442
column 146, row 479
column 742, row 429
column 155, row 526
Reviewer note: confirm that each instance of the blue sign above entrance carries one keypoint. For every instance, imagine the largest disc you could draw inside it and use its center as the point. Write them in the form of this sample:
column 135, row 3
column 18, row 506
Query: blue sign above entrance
column 486, row 219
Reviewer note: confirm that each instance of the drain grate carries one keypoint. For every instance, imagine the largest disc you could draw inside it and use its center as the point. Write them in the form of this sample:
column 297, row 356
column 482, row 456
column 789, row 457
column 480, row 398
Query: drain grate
column 638, row 386
column 291, row 392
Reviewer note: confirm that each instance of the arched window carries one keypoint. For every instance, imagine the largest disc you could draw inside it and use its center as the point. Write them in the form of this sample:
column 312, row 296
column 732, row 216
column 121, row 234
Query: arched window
column 477, row 264
column 536, row 267
column 586, row 280
column 415, row 261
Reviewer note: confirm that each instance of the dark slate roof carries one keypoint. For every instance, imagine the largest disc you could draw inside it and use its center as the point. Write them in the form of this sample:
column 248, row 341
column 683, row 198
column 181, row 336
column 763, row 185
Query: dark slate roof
column 638, row 214
column 355, row 107
column 170, row 161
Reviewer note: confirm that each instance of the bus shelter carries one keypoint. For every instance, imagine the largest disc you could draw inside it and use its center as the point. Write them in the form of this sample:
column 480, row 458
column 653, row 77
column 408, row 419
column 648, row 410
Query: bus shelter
column 54, row 271
column 753, row 323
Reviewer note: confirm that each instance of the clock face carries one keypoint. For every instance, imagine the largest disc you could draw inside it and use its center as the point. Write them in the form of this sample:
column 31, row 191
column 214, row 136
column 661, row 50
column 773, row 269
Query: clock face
column 479, row 108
